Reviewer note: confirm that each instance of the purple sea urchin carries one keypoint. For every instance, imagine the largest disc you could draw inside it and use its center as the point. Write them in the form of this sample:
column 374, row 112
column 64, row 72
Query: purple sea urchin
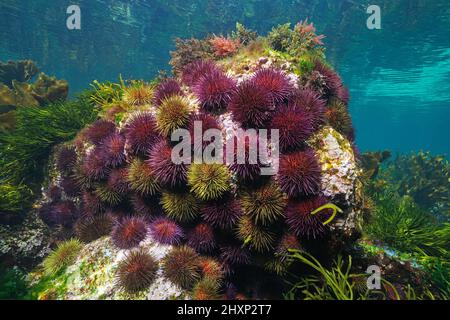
column 94, row 166
column 54, row 193
column 70, row 186
column 274, row 82
column 140, row 133
column 92, row 227
column 165, row 171
column 117, row 181
column 310, row 102
column 251, row 105
column 64, row 212
column 207, row 122
column 99, row 130
column 214, row 90
column 223, row 213
column 201, row 238
column 166, row 231
column 294, row 125
column 66, row 159
column 181, row 266
column 299, row 174
column 246, row 171
column 332, row 81
column 128, row 232
column 113, row 149
column 145, row 206
column 300, row 220
column 193, row 71
column 136, row 272
column 46, row 214
column 91, row 203
column 166, row 89
column 235, row 255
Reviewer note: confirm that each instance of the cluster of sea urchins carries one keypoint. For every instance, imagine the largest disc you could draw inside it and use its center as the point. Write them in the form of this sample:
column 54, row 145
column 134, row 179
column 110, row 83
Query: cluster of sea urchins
column 120, row 179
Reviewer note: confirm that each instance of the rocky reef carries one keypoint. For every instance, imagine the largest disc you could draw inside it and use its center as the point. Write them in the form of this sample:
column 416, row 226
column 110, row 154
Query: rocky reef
column 17, row 91
column 127, row 221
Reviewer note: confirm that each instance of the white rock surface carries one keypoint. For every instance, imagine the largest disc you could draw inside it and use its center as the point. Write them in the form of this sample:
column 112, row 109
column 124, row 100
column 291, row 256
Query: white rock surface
column 92, row 276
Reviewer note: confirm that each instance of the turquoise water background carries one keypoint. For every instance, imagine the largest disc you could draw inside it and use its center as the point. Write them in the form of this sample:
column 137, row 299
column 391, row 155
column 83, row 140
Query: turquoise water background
column 399, row 76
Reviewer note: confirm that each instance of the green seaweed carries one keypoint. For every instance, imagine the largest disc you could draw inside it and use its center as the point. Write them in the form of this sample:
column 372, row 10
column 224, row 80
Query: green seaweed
column 105, row 93
column 424, row 177
column 13, row 285
column 330, row 284
column 244, row 35
column 24, row 151
column 400, row 223
column 331, row 206
column 13, row 198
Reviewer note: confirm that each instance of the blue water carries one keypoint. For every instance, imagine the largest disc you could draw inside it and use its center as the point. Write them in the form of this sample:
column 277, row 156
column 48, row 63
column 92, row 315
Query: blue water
column 399, row 76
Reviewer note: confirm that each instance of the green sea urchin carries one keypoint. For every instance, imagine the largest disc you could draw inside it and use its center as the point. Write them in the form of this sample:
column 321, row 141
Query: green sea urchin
column 92, row 227
column 209, row 181
column 182, row 207
column 141, row 178
column 206, row 289
column 173, row 113
column 256, row 237
column 181, row 266
column 64, row 255
column 265, row 205
column 136, row 272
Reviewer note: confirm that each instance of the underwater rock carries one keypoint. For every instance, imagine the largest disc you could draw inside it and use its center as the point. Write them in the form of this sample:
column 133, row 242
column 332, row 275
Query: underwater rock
column 230, row 211
column 48, row 89
column 371, row 162
column 21, row 71
column 401, row 272
column 16, row 91
column 339, row 167
column 24, row 245
column 93, row 275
